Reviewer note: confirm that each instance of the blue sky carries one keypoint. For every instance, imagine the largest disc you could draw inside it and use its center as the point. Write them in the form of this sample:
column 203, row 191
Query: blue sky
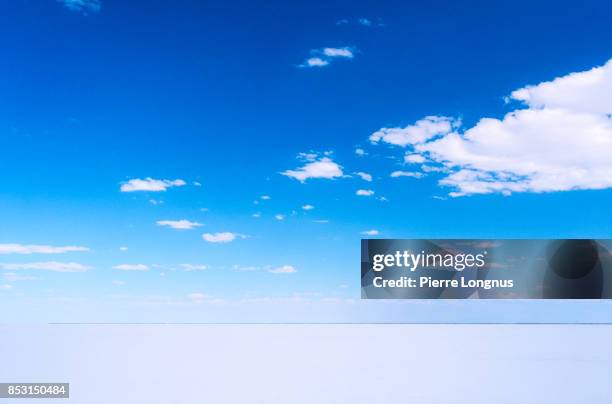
column 214, row 105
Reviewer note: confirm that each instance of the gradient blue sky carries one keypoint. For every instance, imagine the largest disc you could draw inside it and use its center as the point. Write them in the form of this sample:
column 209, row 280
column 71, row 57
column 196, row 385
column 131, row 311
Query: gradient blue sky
column 95, row 94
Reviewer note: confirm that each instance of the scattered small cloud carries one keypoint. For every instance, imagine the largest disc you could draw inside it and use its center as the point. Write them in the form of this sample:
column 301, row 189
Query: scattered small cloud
column 413, row 158
column 370, row 232
column 360, row 152
column 27, row 249
column 338, row 52
column 307, row 207
column 197, row 184
column 131, row 267
column 396, row 174
column 52, row 266
column 363, row 21
column 179, row 224
column 279, row 217
column 83, row 6
column 319, row 167
column 156, row 201
column 222, row 237
column 193, row 267
column 364, row 192
column 321, row 221
column 240, row 268
column 285, row 269
column 323, row 57
column 256, row 215
column 364, row 176
column 151, row 185
column 265, row 197
column 123, row 248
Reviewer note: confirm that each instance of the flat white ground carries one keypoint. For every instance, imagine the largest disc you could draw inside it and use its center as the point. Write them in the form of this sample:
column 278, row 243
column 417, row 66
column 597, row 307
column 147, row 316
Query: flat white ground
column 285, row 364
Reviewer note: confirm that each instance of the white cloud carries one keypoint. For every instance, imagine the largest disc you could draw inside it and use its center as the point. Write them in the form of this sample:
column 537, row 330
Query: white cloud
column 132, row 267
column 413, row 158
column 256, row 215
column 222, row 237
column 561, row 141
column 338, row 52
column 193, row 267
column 179, row 224
column 245, row 268
column 364, row 192
column 365, row 176
column 370, row 232
column 423, row 130
column 308, row 207
column 155, row 201
column 396, row 174
column 52, row 266
column 587, row 92
column 279, row 217
column 150, row 184
column 314, row 62
column 323, row 167
column 83, row 6
column 197, row 184
column 323, row 57
column 123, row 248
column 38, row 249
column 266, row 197
column 365, row 21
column 360, row 152
column 285, row 269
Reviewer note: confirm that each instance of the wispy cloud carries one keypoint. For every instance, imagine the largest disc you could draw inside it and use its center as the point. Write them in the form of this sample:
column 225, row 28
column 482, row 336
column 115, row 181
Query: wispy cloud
column 182, row 224
column 314, row 62
column 13, row 277
column 193, row 267
column 131, row 267
column 83, row 6
column 38, row 249
column 285, row 269
column 370, row 232
column 307, row 207
column 150, row 184
column 396, row 174
column 279, row 217
column 363, row 21
column 423, row 130
column 324, row 56
column 52, row 266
